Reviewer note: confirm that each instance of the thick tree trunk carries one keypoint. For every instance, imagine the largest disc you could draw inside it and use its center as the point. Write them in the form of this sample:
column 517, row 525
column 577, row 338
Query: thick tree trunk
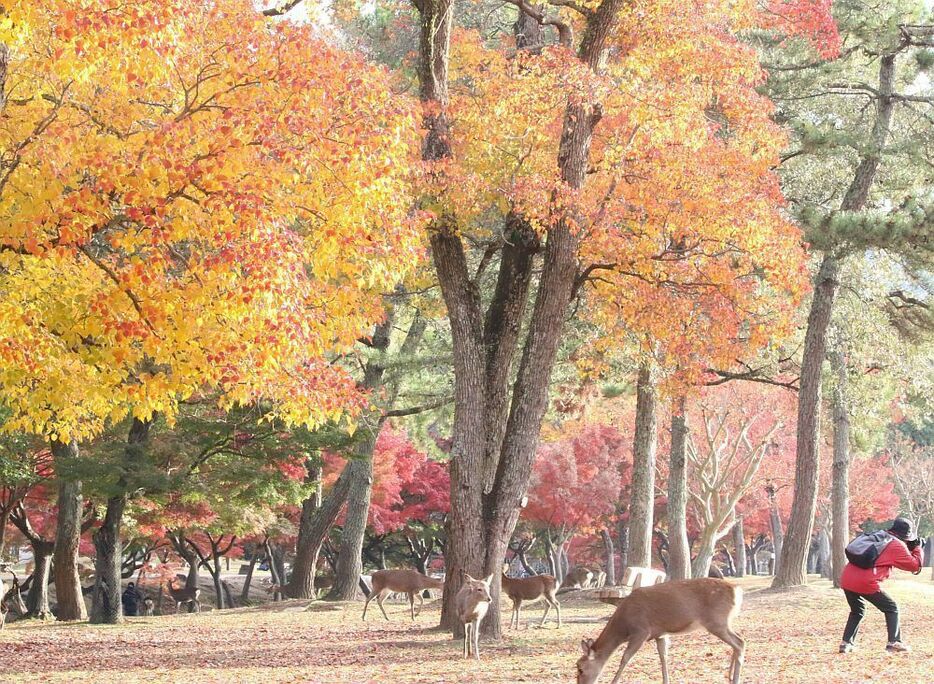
column 794, row 551
column 679, row 554
column 106, row 606
column 349, row 558
column 70, row 599
column 492, row 447
column 700, row 566
column 623, row 531
column 823, row 554
column 313, row 530
column 840, row 492
column 248, row 580
column 610, row 551
column 37, row 600
column 778, row 534
column 642, row 503
column 800, row 525
column 739, row 547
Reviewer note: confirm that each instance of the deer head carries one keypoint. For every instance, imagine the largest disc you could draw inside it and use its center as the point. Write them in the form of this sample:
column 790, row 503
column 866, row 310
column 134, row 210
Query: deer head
column 479, row 588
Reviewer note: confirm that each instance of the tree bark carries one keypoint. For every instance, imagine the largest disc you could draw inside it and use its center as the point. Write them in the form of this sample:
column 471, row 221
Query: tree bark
column 490, row 464
column 642, row 503
column 778, row 535
column 823, row 553
column 313, row 530
column 610, row 557
column 37, row 600
column 349, row 558
column 106, row 605
column 840, row 492
column 800, row 525
column 248, row 580
column 700, row 566
column 739, row 546
column 679, row 553
column 70, row 599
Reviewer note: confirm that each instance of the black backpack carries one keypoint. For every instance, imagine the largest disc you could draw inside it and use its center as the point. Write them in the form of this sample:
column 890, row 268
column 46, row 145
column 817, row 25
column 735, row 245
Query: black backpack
column 863, row 552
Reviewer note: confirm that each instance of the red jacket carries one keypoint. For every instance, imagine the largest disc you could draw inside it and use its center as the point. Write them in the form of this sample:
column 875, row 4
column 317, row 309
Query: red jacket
column 895, row 555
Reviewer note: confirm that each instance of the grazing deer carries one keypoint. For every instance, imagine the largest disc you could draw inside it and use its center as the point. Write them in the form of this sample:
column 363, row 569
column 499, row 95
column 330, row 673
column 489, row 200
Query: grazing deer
column 657, row 611
column 471, row 604
column 149, row 607
column 408, row 582
column 532, row 588
column 12, row 598
column 189, row 595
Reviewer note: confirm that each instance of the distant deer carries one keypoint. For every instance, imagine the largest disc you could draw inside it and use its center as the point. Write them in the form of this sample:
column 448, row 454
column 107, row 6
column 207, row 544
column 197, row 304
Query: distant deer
column 656, row 611
column 410, row 582
column 189, row 595
column 471, row 604
column 149, row 607
column 532, row 588
column 577, row 578
column 11, row 598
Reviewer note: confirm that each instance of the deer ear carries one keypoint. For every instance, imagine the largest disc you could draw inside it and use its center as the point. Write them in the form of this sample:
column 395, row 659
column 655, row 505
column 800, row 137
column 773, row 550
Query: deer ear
column 468, row 577
column 488, row 580
column 587, row 647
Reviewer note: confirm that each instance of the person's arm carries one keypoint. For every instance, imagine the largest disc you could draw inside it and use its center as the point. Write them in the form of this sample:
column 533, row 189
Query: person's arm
column 903, row 559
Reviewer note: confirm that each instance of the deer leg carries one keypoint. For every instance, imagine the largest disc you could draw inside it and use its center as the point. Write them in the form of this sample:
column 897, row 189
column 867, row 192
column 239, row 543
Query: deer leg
column 367, row 602
column 412, row 604
column 476, row 639
column 661, row 643
column 467, row 640
column 545, row 614
column 421, row 603
column 635, row 643
column 557, row 608
column 728, row 636
column 379, row 602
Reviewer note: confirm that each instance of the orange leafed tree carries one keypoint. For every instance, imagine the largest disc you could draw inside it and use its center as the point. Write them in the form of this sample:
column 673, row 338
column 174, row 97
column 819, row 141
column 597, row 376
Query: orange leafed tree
column 193, row 200
column 622, row 146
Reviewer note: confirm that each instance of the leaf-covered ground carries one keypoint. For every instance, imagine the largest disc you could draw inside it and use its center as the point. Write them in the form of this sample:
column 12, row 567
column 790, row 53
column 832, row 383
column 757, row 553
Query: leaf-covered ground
column 791, row 637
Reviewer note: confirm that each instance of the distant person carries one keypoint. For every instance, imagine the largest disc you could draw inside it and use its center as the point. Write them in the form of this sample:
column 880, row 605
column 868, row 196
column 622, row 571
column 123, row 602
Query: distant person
column 131, row 598
column 901, row 550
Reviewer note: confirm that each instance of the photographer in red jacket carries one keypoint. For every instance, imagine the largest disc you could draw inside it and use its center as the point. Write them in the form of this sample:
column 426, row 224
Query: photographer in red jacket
column 862, row 584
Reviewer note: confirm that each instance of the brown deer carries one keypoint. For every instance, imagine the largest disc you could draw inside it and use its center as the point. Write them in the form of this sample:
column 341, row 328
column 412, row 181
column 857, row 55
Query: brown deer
column 577, row 578
column 410, row 582
column 471, row 604
column 657, row 611
column 532, row 588
column 189, row 595
column 12, row 598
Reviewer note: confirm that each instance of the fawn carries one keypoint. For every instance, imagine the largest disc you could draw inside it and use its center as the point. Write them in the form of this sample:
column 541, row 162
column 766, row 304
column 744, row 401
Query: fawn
column 407, row 582
column 471, row 604
column 657, row 611
column 531, row 589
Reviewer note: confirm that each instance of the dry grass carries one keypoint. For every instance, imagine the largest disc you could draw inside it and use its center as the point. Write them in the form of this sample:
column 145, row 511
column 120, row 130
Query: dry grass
column 791, row 637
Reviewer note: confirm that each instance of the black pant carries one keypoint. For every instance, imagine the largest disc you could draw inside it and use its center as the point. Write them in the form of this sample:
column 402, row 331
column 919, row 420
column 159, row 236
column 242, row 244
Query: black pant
column 880, row 600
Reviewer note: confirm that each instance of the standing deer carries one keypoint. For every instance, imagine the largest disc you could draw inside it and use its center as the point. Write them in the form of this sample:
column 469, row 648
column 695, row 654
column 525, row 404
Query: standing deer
column 189, row 595
column 532, row 588
column 149, row 607
column 410, row 582
column 655, row 612
column 471, row 604
column 12, row 598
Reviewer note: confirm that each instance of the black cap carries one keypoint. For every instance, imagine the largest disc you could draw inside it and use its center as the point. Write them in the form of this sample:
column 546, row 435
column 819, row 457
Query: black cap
column 901, row 528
